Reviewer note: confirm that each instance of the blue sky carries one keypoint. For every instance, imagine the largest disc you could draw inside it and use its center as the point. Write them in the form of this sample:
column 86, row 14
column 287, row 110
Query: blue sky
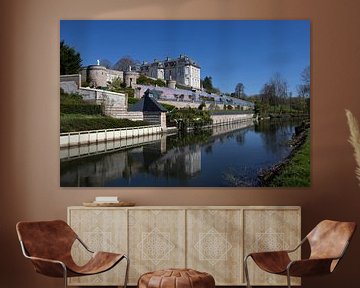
column 231, row 51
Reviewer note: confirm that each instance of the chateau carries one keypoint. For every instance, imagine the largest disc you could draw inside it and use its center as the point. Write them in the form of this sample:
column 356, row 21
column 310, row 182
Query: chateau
column 183, row 70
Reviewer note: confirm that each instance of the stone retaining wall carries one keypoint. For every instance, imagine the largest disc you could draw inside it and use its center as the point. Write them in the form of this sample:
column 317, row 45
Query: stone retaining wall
column 221, row 119
column 98, row 136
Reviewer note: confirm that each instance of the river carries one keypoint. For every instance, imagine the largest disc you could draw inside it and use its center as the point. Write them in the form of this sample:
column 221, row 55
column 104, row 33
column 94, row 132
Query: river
column 230, row 155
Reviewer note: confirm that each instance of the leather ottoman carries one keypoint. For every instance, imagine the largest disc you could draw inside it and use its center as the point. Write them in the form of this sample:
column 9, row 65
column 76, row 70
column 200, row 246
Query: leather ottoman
column 176, row 278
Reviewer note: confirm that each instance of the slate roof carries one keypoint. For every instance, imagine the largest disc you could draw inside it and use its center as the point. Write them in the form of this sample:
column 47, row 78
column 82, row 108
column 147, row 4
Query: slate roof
column 147, row 104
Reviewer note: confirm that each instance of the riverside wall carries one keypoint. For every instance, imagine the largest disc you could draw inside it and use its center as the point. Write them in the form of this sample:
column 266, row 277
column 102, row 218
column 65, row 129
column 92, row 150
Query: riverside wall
column 98, row 136
column 219, row 119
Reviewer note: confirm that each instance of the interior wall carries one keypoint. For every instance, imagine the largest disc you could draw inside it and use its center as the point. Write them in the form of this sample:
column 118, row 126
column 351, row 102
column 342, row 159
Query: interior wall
column 29, row 122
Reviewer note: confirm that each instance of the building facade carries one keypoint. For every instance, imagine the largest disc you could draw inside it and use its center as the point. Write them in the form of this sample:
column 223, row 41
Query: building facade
column 183, row 70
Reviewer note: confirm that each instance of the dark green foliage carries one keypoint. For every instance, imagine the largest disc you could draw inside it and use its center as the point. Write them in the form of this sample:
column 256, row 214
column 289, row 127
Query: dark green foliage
column 202, row 106
column 207, row 98
column 70, row 60
column 208, row 85
column 79, row 122
column 119, row 87
column 115, row 85
column 87, row 109
column 74, row 98
column 168, row 107
column 143, row 80
column 132, row 100
column 184, row 87
column 188, row 117
column 74, row 104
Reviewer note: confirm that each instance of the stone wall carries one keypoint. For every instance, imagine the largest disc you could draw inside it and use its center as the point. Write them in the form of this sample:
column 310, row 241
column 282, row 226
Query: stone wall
column 71, row 78
column 69, row 87
column 113, row 74
column 228, row 118
column 153, row 117
column 114, row 103
column 134, row 116
column 70, row 83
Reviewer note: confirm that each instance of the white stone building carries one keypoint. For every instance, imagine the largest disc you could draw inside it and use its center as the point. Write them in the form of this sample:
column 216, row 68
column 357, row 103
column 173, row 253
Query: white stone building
column 183, row 70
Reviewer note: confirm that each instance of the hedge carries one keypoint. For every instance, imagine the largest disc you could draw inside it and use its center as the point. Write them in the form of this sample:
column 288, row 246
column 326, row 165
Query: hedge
column 88, row 109
column 74, row 123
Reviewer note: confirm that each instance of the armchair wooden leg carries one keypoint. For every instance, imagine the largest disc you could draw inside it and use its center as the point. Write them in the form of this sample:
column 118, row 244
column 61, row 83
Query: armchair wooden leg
column 246, row 271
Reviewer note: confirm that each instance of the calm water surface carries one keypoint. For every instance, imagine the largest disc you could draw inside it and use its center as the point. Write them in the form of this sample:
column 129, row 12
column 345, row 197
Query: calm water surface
column 224, row 156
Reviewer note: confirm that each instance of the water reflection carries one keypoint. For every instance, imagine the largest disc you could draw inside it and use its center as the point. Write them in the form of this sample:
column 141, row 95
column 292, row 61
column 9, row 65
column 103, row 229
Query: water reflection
column 223, row 156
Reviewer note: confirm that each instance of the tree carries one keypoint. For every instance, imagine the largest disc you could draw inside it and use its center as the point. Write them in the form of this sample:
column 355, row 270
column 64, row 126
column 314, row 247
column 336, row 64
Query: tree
column 275, row 92
column 280, row 86
column 106, row 63
column 303, row 89
column 208, row 85
column 116, row 85
column 70, row 60
column 239, row 90
column 124, row 63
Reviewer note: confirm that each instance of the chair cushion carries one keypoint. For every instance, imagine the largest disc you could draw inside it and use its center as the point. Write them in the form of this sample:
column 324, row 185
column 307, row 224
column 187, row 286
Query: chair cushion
column 99, row 262
column 272, row 262
column 176, row 278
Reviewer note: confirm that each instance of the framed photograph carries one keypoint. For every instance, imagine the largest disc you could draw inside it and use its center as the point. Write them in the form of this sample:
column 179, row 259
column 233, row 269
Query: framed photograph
column 184, row 103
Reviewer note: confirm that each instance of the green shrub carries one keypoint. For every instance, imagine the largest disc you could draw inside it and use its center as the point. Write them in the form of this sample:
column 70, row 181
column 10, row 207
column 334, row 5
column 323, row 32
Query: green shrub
column 189, row 117
column 143, row 80
column 132, row 100
column 77, row 122
column 168, row 107
column 184, row 87
column 87, row 109
column 73, row 98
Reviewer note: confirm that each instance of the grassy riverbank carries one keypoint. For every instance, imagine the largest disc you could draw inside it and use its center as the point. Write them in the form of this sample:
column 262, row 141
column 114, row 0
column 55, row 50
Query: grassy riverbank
column 295, row 173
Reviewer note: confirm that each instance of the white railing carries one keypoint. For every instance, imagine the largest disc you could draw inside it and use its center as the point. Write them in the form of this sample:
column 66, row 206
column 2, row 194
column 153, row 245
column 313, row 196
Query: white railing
column 97, row 136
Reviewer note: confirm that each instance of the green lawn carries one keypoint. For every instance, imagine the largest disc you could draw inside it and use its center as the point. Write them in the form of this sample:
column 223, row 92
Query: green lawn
column 81, row 122
column 297, row 172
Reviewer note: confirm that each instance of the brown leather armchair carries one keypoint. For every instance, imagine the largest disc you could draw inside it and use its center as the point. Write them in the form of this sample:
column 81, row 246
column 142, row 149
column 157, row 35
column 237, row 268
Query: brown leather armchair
column 328, row 242
column 48, row 245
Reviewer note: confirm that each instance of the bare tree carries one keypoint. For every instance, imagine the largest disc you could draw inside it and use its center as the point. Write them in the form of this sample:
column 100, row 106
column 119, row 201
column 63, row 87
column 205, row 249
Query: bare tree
column 274, row 93
column 303, row 89
column 106, row 63
column 280, row 86
column 124, row 63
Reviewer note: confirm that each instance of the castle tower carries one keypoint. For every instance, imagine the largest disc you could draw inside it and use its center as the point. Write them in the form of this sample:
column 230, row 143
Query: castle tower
column 131, row 77
column 96, row 75
column 171, row 84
